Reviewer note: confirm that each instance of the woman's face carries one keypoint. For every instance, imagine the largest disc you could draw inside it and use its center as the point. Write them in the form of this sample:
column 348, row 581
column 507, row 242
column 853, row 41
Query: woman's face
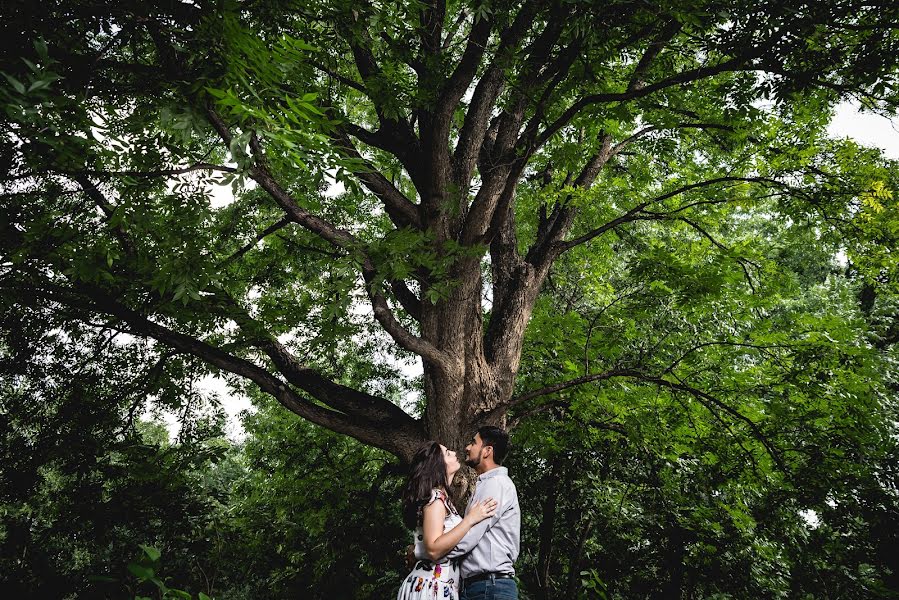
column 452, row 463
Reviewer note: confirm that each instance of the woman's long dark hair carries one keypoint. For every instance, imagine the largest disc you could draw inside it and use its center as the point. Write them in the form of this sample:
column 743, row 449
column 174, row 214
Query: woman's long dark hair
column 427, row 471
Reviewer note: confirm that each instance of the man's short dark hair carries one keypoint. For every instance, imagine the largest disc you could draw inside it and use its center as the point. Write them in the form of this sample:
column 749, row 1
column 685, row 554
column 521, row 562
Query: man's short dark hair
column 499, row 439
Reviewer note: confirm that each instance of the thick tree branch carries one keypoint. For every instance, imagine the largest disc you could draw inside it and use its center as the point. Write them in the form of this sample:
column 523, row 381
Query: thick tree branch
column 365, row 60
column 502, row 160
column 395, row 137
column 399, row 438
column 506, row 160
column 402, row 211
column 454, row 29
column 341, row 239
column 391, row 325
column 431, row 18
column 408, row 300
column 338, row 237
column 462, row 76
column 655, row 48
column 703, row 397
column 560, row 67
column 489, row 87
column 344, row 399
column 397, row 132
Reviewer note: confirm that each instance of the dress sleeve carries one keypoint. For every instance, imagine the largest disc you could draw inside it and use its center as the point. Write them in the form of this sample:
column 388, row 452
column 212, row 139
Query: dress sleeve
column 440, row 495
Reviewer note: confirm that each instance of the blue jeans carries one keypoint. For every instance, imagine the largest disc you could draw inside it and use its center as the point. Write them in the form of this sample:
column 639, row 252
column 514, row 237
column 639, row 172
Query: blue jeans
column 490, row 589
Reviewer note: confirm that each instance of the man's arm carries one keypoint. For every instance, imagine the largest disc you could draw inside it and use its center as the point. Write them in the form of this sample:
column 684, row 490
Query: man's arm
column 490, row 487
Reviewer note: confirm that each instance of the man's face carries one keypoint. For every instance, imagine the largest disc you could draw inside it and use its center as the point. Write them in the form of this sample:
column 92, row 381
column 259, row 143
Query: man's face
column 474, row 451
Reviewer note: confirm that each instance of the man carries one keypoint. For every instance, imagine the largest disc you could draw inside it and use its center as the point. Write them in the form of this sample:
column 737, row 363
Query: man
column 490, row 548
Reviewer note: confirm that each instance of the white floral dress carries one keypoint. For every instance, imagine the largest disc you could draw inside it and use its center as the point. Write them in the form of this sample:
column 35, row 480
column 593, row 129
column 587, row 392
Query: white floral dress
column 430, row 580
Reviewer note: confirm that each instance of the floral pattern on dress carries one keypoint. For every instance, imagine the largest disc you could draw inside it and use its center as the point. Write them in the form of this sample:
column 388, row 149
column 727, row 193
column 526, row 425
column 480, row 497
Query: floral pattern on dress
column 433, row 580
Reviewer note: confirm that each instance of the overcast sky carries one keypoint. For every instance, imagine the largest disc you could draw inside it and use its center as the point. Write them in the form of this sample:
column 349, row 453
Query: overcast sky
column 867, row 128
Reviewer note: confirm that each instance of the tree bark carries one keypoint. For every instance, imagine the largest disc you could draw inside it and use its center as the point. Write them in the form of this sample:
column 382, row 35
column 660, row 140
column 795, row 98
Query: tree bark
column 576, row 560
column 547, row 527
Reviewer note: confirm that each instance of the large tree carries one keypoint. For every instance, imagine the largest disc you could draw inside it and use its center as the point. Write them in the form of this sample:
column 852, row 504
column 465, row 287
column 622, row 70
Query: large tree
column 482, row 147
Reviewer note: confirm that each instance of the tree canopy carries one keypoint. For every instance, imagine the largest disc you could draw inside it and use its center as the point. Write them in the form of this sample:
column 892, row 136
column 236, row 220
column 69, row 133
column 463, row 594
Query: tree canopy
column 620, row 229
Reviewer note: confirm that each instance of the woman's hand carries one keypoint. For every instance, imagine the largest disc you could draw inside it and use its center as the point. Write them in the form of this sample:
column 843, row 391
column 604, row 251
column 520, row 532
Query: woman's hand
column 479, row 511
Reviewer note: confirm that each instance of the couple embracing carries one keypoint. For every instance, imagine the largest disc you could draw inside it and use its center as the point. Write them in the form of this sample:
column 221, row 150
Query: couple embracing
column 471, row 556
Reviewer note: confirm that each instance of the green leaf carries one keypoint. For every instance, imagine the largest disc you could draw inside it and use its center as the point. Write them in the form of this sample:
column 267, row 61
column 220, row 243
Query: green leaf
column 15, row 83
column 152, row 553
column 142, row 572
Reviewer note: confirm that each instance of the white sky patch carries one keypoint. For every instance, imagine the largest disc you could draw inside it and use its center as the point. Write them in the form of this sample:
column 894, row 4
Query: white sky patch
column 810, row 517
column 335, row 188
column 233, row 404
column 220, row 195
column 866, row 128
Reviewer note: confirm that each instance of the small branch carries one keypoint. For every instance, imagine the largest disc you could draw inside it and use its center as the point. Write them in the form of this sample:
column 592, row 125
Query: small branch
column 741, row 261
column 93, row 192
column 303, row 247
column 690, row 76
column 697, row 347
column 705, row 398
column 631, row 215
column 276, row 226
column 638, row 213
column 200, row 166
column 342, row 79
column 558, row 387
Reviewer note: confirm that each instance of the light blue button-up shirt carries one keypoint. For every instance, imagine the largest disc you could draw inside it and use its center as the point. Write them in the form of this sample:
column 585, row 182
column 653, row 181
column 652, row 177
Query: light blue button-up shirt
column 492, row 545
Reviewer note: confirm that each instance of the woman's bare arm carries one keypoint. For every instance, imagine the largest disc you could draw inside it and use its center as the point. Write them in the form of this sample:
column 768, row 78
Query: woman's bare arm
column 437, row 543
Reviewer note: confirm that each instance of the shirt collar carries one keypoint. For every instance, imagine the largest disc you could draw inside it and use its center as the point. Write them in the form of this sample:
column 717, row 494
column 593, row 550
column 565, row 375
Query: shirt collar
column 493, row 473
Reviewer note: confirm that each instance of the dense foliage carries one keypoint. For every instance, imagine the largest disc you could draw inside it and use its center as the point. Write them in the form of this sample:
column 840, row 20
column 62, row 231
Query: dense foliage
column 619, row 228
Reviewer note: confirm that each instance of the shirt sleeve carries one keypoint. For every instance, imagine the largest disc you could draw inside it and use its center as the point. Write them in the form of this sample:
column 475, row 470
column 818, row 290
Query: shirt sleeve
column 488, row 488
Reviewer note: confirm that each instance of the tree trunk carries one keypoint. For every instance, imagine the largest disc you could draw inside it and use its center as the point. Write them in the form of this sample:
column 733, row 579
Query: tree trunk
column 547, row 528
column 466, row 386
column 674, row 559
column 576, row 559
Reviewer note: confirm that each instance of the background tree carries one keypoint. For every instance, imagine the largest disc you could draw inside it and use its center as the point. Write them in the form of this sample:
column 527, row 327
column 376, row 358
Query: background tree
column 86, row 477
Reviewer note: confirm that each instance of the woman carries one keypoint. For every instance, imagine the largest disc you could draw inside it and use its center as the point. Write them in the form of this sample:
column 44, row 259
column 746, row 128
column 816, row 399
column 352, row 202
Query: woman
column 438, row 527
